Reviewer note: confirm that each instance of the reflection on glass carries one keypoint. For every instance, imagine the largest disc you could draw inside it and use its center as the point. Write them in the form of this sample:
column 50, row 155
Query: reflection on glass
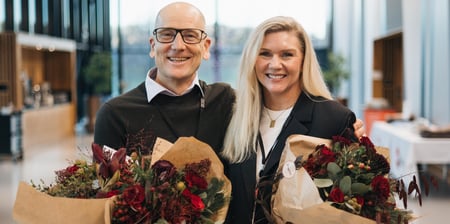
column 2, row 15
column 31, row 15
column 66, row 18
column 45, row 16
column 17, row 7
column 233, row 25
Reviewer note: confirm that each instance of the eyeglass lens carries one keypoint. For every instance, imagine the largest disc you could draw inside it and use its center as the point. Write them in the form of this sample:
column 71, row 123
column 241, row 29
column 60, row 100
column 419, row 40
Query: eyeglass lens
column 189, row 36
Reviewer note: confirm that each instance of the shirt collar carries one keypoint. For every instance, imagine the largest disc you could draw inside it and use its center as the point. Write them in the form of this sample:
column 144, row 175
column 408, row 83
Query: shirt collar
column 153, row 88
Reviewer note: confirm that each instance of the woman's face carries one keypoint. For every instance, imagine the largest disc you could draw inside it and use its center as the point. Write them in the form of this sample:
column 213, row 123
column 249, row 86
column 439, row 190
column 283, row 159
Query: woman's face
column 279, row 64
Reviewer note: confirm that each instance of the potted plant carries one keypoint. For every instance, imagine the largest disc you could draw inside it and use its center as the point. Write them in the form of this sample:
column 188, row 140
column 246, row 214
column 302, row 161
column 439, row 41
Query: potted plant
column 335, row 72
column 97, row 76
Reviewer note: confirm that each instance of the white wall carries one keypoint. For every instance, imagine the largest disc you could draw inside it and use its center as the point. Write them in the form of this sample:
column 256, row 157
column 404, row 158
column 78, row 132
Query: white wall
column 412, row 51
column 426, row 51
column 427, row 63
column 356, row 24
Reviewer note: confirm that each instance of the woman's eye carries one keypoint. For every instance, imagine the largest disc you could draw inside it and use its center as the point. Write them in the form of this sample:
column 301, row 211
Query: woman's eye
column 287, row 54
column 264, row 53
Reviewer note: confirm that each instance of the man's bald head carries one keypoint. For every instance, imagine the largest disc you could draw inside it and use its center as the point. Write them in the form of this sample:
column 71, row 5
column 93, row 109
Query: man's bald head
column 180, row 13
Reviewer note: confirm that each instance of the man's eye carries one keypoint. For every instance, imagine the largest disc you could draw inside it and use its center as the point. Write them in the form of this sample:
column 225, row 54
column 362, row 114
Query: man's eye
column 166, row 34
column 191, row 35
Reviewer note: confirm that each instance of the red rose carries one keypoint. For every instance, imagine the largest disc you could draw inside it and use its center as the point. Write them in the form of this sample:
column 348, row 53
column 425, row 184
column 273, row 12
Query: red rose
column 195, row 200
column 365, row 141
column 134, row 195
column 342, row 141
column 380, row 185
column 72, row 169
column 194, row 180
column 327, row 156
column 336, row 195
column 360, row 200
column 112, row 193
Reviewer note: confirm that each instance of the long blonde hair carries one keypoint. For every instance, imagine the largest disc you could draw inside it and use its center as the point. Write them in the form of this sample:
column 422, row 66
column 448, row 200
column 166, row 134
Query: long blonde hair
column 241, row 136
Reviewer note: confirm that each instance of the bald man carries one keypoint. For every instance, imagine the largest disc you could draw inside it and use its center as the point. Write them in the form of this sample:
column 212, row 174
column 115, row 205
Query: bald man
column 172, row 102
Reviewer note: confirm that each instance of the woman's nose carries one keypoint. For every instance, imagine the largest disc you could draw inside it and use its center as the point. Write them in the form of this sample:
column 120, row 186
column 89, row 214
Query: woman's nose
column 275, row 62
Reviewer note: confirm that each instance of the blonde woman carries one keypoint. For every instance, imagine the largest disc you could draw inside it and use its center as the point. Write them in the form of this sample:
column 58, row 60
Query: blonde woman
column 280, row 92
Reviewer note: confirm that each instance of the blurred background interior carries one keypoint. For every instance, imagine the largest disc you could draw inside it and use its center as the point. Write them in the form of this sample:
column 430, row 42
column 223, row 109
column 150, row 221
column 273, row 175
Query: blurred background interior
column 387, row 60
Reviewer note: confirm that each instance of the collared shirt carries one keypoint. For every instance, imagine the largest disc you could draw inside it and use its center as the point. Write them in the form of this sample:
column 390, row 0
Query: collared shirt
column 153, row 88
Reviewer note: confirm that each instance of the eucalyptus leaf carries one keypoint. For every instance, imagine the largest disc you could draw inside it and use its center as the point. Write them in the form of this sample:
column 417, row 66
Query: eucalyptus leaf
column 333, row 169
column 345, row 184
column 321, row 183
column 360, row 188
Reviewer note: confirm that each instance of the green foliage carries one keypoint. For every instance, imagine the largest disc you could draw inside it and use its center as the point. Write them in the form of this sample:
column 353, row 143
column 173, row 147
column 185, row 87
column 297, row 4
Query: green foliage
column 98, row 73
column 336, row 71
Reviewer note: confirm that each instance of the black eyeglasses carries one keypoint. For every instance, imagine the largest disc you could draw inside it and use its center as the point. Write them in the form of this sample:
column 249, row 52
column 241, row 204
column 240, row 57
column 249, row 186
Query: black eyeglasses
column 189, row 36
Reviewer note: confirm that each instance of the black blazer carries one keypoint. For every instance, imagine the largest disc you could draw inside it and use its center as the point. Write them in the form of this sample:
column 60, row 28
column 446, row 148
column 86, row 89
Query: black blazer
column 314, row 117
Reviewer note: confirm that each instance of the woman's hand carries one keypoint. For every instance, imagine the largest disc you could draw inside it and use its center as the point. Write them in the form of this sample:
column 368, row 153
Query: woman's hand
column 359, row 128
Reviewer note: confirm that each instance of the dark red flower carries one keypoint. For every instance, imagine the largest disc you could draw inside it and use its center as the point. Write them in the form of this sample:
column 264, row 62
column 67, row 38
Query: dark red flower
column 327, row 156
column 108, row 164
column 380, row 185
column 134, row 195
column 164, row 170
column 112, row 193
column 336, row 195
column 193, row 179
column 341, row 140
column 72, row 169
column 195, row 200
column 365, row 141
column 359, row 200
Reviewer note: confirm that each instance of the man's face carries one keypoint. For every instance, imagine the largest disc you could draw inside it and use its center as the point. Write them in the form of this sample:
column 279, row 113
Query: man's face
column 178, row 61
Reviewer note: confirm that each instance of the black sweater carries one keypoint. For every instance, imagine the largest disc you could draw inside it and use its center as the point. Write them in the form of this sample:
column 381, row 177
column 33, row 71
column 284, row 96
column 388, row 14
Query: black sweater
column 130, row 121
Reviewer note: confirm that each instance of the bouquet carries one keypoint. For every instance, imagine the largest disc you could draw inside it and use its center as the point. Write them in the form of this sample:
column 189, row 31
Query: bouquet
column 186, row 185
column 349, row 181
column 183, row 183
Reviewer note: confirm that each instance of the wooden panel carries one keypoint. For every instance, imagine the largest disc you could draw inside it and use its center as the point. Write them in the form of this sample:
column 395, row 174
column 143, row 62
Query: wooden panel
column 48, row 124
column 57, row 71
column 33, row 65
column 388, row 61
column 42, row 59
column 10, row 89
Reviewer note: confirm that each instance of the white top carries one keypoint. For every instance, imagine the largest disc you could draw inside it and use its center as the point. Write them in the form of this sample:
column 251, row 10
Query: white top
column 268, row 134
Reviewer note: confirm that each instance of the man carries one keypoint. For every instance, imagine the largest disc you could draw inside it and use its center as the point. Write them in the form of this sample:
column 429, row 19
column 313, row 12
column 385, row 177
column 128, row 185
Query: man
column 172, row 102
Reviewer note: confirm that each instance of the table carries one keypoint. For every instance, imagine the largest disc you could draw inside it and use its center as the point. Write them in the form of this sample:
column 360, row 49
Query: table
column 407, row 148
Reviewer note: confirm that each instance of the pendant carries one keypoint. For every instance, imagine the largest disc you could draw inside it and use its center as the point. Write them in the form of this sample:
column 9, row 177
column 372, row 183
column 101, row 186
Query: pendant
column 272, row 123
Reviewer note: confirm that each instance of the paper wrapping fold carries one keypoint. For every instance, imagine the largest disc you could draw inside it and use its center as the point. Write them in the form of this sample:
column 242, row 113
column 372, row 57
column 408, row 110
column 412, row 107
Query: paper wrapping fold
column 297, row 198
column 189, row 150
column 35, row 207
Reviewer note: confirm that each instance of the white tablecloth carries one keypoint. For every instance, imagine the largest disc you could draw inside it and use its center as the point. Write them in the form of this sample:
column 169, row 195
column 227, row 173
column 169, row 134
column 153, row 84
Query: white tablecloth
column 407, row 148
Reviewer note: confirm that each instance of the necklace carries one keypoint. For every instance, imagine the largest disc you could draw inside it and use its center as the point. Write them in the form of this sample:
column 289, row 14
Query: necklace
column 273, row 120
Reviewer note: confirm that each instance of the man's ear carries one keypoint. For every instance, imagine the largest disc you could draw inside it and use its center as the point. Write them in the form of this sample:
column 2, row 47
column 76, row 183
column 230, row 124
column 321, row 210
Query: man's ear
column 152, row 47
column 206, row 46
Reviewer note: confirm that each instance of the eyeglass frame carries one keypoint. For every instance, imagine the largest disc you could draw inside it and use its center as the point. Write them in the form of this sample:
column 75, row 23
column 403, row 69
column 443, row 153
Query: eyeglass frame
column 203, row 34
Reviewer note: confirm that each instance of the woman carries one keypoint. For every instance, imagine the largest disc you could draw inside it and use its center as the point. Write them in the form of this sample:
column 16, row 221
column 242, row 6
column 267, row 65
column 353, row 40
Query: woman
column 280, row 92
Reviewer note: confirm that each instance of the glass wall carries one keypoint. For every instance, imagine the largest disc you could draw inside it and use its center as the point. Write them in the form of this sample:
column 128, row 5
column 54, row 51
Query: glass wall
column 228, row 23
column 2, row 15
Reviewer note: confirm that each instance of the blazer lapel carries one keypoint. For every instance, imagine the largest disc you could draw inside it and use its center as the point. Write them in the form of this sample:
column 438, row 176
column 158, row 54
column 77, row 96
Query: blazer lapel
column 248, row 171
column 295, row 124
